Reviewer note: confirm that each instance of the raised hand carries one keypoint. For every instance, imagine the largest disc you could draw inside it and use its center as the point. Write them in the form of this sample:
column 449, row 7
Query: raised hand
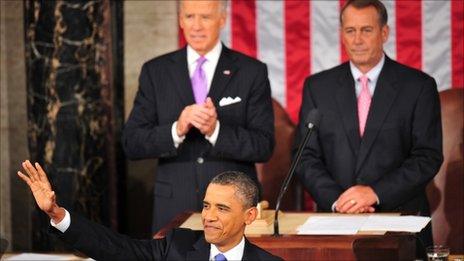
column 44, row 196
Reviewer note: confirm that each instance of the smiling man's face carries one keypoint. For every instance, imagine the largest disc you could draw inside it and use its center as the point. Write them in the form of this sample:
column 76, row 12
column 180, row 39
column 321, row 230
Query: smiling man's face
column 224, row 216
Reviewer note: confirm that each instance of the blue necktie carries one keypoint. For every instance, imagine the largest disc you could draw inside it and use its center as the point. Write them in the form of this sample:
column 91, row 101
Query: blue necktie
column 220, row 257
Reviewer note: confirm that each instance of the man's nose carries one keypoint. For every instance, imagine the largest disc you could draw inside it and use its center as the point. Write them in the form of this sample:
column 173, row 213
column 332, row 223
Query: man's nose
column 358, row 38
column 197, row 23
column 209, row 214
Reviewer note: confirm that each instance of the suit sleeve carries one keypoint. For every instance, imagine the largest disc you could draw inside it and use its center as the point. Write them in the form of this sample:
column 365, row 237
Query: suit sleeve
column 312, row 170
column 255, row 141
column 143, row 136
column 425, row 157
column 101, row 243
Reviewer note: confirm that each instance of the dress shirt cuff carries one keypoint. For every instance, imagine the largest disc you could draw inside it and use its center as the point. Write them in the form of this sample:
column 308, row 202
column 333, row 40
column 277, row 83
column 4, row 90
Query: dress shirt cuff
column 213, row 138
column 64, row 224
column 177, row 140
column 334, row 205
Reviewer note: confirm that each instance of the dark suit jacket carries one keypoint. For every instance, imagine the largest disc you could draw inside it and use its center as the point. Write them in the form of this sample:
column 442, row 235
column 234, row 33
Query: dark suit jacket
column 400, row 152
column 246, row 133
column 101, row 243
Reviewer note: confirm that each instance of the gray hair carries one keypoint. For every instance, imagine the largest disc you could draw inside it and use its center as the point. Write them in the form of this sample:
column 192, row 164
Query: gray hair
column 359, row 4
column 223, row 5
column 245, row 188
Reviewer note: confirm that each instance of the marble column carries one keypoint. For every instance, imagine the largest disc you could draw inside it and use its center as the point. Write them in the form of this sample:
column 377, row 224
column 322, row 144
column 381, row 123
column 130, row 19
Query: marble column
column 74, row 106
column 15, row 199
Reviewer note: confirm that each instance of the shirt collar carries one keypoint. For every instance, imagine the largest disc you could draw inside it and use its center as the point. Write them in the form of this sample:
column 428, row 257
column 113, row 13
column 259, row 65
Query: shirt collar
column 235, row 253
column 372, row 74
column 213, row 55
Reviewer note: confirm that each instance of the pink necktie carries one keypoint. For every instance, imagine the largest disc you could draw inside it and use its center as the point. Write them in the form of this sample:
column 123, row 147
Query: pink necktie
column 199, row 83
column 364, row 102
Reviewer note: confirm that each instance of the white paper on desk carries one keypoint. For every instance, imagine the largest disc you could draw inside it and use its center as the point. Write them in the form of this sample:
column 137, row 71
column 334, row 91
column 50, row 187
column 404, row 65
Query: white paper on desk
column 412, row 224
column 35, row 256
column 332, row 225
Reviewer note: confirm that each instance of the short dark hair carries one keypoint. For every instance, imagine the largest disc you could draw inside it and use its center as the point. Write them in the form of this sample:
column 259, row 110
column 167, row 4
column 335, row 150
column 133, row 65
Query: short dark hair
column 245, row 188
column 377, row 4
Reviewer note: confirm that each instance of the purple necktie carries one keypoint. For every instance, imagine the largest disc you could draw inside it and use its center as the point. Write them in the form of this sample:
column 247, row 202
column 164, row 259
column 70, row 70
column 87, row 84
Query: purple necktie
column 199, row 83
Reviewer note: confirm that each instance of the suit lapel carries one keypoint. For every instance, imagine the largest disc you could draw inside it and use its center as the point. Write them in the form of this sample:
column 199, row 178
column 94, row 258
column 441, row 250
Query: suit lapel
column 384, row 96
column 180, row 74
column 225, row 70
column 249, row 252
column 201, row 252
column 347, row 105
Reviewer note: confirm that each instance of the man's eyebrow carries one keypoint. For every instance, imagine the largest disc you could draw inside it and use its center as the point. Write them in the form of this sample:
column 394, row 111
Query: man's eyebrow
column 206, row 202
column 354, row 27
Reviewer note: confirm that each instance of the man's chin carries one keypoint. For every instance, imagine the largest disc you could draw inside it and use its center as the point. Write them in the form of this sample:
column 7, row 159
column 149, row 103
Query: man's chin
column 199, row 47
column 359, row 61
column 212, row 239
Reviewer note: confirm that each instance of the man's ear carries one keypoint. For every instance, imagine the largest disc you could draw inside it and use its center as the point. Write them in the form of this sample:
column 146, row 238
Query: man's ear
column 223, row 20
column 250, row 215
column 385, row 33
column 181, row 21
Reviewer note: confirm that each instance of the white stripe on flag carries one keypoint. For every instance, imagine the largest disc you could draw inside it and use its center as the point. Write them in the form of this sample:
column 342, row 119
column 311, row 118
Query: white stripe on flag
column 436, row 41
column 270, row 44
column 390, row 45
column 324, row 35
column 226, row 31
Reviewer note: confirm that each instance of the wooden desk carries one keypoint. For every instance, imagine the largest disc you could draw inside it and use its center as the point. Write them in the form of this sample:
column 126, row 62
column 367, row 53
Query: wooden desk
column 389, row 246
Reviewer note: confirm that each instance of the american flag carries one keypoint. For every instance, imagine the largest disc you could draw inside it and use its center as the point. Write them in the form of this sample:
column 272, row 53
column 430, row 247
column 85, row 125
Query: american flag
column 297, row 38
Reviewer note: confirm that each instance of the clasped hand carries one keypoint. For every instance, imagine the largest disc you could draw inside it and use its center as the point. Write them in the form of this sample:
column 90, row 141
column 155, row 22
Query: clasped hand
column 201, row 116
column 357, row 199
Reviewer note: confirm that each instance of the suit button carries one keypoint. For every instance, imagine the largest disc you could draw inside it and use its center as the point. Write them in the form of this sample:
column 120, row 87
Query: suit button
column 200, row 160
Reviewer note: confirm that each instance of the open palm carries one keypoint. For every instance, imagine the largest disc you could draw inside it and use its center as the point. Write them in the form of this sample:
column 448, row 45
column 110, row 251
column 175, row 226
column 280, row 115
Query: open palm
column 38, row 182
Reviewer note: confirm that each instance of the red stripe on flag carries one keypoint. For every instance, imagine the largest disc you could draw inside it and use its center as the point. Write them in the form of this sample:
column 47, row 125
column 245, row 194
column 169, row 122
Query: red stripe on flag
column 457, row 43
column 180, row 33
column 298, row 57
column 344, row 55
column 244, row 26
column 181, row 40
column 409, row 32
column 297, row 51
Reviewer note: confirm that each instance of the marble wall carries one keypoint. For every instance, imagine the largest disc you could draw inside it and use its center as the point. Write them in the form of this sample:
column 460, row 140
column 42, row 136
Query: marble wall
column 63, row 103
column 71, row 107
column 150, row 29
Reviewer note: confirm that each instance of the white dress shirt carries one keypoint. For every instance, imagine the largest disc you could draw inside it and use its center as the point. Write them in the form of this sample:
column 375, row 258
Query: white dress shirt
column 236, row 253
column 209, row 67
column 372, row 75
